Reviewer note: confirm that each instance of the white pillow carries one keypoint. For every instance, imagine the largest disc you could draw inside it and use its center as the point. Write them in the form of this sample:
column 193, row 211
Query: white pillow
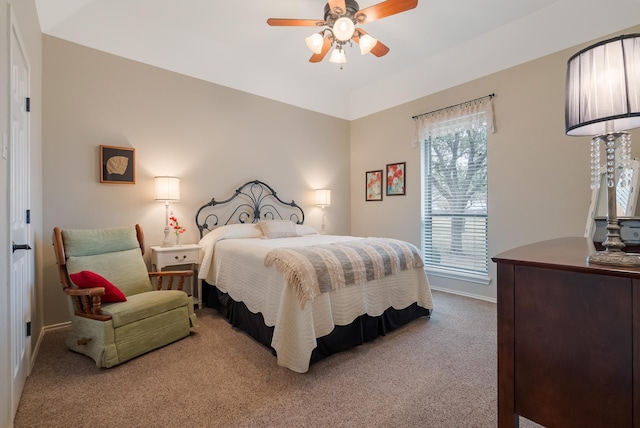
column 277, row 228
column 231, row 231
column 303, row 229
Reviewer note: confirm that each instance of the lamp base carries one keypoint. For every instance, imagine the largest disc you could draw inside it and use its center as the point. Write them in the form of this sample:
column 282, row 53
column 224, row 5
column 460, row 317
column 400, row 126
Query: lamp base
column 613, row 254
column 166, row 242
column 615, row 258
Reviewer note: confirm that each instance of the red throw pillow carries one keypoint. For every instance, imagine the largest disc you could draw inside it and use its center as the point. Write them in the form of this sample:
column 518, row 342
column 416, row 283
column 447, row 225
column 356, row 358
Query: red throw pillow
column 88, row 279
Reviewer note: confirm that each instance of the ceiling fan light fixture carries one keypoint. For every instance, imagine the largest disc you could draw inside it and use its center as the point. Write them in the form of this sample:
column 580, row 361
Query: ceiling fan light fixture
column 339, row 22
column 367, row 43
column 338, row 56
column 314, row 42
column 343, row 29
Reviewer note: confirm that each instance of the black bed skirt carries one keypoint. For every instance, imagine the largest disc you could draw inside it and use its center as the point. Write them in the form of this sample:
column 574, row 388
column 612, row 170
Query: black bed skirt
column 363, row 329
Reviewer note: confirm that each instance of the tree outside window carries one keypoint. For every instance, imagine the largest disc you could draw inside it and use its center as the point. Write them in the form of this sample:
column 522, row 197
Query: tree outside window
column 455, row 195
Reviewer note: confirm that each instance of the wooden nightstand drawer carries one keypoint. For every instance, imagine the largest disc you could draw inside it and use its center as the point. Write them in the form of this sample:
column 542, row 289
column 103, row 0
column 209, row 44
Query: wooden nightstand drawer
column 179, row 256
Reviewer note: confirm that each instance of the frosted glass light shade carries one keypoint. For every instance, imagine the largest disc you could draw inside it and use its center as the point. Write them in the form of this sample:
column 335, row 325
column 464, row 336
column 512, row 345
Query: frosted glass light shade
column 323, row 197
column 167, row 188
column 314, row 43
column 338, row 56
column 603, row 87
column 343, row 29
column 367, row 43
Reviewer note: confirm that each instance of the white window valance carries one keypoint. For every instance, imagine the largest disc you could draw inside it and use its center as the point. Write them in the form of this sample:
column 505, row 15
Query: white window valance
column 470, row 115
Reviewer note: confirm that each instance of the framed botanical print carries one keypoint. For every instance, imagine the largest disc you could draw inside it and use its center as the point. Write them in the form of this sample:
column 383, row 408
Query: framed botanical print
column 396, row 179
column 373, row 180
column 117, row 165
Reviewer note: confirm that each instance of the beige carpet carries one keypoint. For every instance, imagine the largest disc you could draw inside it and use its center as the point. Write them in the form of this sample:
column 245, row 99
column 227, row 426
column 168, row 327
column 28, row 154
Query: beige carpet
column 438, row 372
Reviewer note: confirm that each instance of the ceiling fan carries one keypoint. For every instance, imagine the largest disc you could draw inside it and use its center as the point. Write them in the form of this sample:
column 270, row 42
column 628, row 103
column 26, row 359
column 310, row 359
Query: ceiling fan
column 340, row 20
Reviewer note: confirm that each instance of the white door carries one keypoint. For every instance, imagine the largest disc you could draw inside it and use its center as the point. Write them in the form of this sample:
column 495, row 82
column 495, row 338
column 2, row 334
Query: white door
column 21, row 276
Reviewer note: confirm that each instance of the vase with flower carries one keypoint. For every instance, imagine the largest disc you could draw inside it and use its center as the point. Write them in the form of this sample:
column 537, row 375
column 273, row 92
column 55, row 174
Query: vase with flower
column 177, row 229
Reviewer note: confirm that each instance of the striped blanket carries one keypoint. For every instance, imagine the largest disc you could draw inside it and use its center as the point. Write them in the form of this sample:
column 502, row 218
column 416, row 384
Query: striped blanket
column 321, row 268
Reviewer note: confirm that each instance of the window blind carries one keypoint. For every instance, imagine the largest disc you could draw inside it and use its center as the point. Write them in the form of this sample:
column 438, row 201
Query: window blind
column 454, row 208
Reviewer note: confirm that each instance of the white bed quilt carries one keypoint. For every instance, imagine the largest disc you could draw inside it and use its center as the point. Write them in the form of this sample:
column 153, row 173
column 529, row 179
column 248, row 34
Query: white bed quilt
column 233, row 260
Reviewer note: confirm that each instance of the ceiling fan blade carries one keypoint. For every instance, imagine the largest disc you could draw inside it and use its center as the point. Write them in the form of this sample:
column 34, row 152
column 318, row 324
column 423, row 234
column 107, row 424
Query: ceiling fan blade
column 284, row 22
column 380, row 49
column 333, row 4
column 384, row 9
column 326, row 46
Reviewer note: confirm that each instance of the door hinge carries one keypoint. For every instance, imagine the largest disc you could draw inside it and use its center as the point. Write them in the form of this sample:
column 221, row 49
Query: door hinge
column 29, row 329
column 28, row 217
column 28, row 104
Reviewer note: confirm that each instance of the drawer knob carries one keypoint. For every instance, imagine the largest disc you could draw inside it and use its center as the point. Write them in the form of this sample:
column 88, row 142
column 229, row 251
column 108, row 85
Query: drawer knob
column 180, row 258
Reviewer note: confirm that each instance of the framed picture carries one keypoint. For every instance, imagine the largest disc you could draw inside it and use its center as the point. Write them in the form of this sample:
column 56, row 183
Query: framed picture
column 117, row 165
column 396, row 179
column 373, row 191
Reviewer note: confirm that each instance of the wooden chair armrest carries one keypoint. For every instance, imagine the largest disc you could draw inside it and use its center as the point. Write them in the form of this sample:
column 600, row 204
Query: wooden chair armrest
column 87, row 302
column 95, row 291
column 184, row 273
column 171, row 275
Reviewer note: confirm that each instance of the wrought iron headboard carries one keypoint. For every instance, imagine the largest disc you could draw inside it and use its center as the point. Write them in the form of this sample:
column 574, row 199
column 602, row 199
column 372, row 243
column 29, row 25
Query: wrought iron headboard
column 253, row 201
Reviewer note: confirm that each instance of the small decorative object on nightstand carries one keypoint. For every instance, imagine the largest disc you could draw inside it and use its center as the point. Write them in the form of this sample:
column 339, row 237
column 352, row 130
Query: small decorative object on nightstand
column 187, row 254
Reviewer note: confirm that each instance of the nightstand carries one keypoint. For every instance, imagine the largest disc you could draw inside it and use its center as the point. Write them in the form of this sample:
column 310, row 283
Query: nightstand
column 188, row 254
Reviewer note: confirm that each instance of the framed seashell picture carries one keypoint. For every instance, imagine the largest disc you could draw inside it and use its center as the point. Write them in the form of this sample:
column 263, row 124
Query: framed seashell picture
column 117, row 165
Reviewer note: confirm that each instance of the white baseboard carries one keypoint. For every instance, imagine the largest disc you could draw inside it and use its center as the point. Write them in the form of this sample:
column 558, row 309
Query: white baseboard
column 460, row 293
column 57, row 326
column 34, row 351
column 36, row 347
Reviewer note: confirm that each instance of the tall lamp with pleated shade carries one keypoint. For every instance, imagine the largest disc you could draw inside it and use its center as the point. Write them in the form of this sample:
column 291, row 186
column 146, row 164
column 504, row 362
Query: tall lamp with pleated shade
column 603, row 101
column 167, row 190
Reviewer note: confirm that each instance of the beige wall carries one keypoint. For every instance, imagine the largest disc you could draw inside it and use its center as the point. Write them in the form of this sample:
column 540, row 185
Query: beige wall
column 212, row 137
column 216, row 138
column 26, row 18
column 538, row 177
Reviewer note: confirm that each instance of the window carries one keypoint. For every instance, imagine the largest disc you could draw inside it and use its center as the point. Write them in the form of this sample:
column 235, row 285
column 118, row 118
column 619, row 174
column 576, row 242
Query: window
column 454, row 203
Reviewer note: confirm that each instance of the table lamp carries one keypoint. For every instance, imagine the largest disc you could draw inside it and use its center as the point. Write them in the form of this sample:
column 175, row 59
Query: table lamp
column 603, row 101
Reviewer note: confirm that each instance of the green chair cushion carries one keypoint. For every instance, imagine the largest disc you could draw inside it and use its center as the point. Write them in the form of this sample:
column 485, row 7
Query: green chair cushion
column 88, row 242
column 145, row 305
column 125, row 269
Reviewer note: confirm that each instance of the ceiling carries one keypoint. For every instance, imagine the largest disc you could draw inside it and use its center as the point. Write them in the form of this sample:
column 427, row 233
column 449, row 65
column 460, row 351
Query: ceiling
column 437, row 45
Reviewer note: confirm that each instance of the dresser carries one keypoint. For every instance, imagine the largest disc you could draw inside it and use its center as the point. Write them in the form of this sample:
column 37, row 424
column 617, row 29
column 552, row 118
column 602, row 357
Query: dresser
column 568, row 338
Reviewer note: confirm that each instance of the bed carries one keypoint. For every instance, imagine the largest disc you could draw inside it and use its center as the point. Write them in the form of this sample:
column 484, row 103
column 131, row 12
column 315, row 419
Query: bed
column 251, row 242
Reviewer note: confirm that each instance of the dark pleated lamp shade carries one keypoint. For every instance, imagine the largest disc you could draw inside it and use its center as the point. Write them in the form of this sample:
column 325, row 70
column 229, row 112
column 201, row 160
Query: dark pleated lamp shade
column 603, row 87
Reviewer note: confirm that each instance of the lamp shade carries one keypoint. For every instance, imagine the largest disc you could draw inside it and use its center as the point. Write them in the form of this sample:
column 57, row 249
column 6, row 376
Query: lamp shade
column 603, row 87
column 338, row 56
column 167, row 188
column 343, row 29
column 323, row 197
column 314, row 42
column 367, row 43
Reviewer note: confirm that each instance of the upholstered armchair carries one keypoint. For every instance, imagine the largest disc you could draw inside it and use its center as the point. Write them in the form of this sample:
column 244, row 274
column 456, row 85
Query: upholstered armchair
column 117, row 313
